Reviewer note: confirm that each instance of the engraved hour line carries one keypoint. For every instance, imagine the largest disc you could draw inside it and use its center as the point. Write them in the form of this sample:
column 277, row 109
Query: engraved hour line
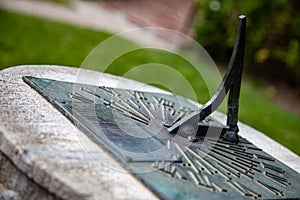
column 220, row 172
column 133, row 103
column 152, row 160
column 219, row 162
column 207, row 180
column 130, row 114
column 108, row 90
column 203, row 167
column 128, row 106
column 194, row 178
column 276, row 178
column 245, row 156
column 155, row 99
column 219, row 169
column 218, row 187
column 250, row 162
column 202, row 182
column 204, row 179
column 243, row 169
column 90, row 92
column 80, row 98
column 230, row 147
column 264, row 157
column 270, row 188
column 238, row 188
column 239, row 163
column 242, row 159
column 163, row 114
column 254, row 148
column 272, row 167
column 229, row 171
column 198, row 179
column 204, row 162
column 249, row 191
column 180, row 176
column 235, row 168
column 173, row 111
column 225, row 142
column 268, row 174
column 187, row 158
column 162, row 109
column 138, row 95
column 169, row 167
column 137, row 116
column 162, row 165
column 225, row 156
column 125, row 111
column 220, row 152
column 147, row 109
column 166, row 102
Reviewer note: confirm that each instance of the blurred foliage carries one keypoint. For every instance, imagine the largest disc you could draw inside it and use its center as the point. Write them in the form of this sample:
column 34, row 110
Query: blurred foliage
column 29, row 40
column 273, row 34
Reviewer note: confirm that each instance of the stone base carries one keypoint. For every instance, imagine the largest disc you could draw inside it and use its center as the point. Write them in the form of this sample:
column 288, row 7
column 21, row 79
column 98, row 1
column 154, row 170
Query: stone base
column 44, row 156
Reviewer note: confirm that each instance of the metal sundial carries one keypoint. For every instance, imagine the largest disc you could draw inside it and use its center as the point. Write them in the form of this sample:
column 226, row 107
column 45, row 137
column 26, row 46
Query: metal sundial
column 166, row 137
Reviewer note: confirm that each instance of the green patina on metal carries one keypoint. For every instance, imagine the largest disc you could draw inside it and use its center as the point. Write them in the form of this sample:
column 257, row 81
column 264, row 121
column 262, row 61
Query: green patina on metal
column 135, row 126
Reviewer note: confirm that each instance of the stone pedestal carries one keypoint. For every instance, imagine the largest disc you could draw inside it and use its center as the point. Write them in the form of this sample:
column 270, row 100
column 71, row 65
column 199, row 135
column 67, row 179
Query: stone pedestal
column 42, row 155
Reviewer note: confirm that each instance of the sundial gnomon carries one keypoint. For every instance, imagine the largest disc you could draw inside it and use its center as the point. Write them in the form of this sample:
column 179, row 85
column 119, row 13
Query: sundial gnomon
column 166, row 137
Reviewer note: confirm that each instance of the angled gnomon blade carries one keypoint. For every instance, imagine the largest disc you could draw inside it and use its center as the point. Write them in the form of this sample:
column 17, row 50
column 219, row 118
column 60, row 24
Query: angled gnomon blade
column 192, row 125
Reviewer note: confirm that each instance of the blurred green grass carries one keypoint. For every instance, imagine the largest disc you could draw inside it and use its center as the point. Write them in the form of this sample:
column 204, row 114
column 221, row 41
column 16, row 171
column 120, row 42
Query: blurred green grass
column 29, row 40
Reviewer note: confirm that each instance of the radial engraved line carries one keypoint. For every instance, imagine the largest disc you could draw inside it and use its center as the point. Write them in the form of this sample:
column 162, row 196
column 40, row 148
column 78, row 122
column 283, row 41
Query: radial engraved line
column 272, row 167
column 147, row 109
column 90, row 92
column 80, row 97
column 221, row 162
column 129, row 107
column 194, row 178
column 217, row 160
column 233, row 167
column 105, row 89
column 276, row 178
column 207, row 163
column 128, row 114
column 270, row 188
column 184, row 154
column 239, row 189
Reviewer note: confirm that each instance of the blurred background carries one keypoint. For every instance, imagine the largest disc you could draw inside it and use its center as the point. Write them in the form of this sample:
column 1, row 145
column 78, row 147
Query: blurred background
column 63, row 32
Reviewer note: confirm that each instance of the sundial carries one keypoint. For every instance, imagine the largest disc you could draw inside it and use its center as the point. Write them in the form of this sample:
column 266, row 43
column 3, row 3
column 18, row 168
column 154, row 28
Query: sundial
column 170, row 144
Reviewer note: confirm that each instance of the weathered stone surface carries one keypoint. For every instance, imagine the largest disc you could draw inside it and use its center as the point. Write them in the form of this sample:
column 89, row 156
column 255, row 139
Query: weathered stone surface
column 7, row 194
column 44, row 151
column 12, row 177
column 45, row 147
